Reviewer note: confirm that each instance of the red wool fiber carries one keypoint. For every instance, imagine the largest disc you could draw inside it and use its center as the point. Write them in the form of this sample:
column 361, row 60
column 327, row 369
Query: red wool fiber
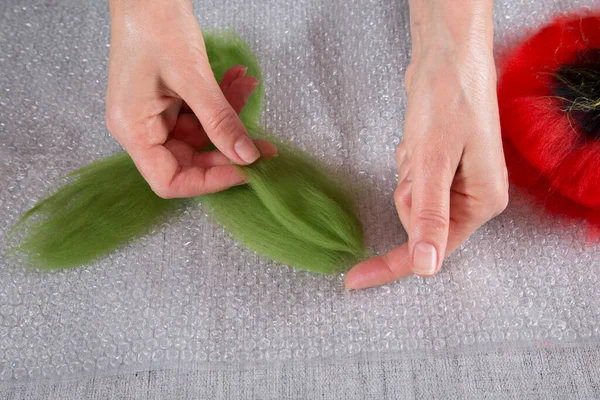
column 545, row 150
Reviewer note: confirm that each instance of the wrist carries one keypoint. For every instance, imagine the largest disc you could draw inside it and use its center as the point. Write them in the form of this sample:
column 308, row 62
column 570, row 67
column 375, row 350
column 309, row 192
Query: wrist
column 451, row 26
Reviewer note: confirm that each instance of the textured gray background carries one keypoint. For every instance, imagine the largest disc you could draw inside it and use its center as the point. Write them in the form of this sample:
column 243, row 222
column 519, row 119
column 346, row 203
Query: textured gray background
column 255, row 329
column 545, row 374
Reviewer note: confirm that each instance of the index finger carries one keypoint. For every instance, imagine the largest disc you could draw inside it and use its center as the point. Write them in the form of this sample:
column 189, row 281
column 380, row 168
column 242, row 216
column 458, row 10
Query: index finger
column 169, row 179
column 376, row 271
column 396, row 264
column 199, row 89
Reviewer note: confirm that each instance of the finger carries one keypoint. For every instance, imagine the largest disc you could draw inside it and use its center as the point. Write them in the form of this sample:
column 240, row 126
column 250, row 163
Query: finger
column 267, row 149
column 238, row 94
column 239, row 91
column 194, row 181
column 396, row 264
column 182, row 152
column 186, row 156
column 402, row 161
column 231, row 75
column 403, row 202
column 430, row 209
column 401, row 153
column 188, row 129
column 173, row 180
column 208, row 159
column 380, row 270
column 200, row 91
column 403, row 170
column 213, row 158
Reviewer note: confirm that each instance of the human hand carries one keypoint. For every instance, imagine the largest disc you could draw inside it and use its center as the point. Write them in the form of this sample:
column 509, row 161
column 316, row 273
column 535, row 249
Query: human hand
column 163, row 102
column 452, row 177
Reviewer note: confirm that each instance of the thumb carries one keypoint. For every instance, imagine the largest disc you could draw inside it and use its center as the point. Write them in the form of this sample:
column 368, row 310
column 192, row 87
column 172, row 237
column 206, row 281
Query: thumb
column 430, row 212
column 218, row 118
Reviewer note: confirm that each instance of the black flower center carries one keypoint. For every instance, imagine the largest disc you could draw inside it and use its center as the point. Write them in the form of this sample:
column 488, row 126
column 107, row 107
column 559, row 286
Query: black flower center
column 578, row 88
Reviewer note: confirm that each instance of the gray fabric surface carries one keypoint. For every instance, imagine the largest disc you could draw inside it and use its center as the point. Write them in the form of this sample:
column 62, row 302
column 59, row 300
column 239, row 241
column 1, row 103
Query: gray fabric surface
column 534, row 374
column 514, row 285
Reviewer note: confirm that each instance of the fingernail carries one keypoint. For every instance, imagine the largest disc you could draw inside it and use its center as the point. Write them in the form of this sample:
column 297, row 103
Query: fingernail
column 424, row 259
column 243, row 71
column 246, row 150
column 409, row 177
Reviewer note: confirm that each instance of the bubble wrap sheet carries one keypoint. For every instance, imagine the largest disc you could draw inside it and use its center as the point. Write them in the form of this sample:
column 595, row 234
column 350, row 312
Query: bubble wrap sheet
column 187, row 295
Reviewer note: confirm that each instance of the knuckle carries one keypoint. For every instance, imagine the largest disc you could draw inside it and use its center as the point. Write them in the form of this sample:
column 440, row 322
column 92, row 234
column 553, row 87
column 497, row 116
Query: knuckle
column 401, row 152
column 163, row 191
column 432, row 220
column 436, row 157
column 398, row 196
column 221, row 122
column 474, row 210
column 115, row 118
column 498, row 195
column 402, row 196
column 408, row 74
column 501, row 203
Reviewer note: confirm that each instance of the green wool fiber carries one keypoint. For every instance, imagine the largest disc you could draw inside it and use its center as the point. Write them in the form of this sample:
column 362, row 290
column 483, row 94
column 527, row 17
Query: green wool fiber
column 102, row 206
column 290, row 211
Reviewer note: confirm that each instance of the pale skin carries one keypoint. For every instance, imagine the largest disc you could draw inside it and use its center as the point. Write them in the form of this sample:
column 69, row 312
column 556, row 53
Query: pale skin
column 163, row 103
column 452, row 176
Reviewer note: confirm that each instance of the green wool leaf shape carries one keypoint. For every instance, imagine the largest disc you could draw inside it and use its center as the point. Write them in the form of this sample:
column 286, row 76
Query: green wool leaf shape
column 290, row 211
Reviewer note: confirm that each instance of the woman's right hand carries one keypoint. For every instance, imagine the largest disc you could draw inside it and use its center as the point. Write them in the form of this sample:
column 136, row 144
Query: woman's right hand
column 163, row 102
column 452, row 175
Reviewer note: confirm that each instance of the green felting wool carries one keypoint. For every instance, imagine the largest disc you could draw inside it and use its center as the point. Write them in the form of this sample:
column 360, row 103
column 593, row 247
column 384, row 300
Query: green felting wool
column 102, row 206
column 290, row 211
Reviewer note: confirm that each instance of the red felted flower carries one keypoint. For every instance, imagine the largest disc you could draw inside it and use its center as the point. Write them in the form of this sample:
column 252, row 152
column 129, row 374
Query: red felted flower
column 549, row 98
